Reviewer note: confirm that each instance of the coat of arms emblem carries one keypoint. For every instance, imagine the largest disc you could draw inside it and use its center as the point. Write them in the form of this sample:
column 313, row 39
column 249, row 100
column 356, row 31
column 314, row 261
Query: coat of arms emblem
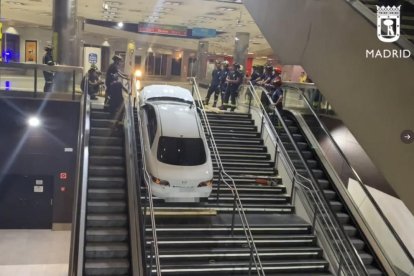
column 388, row 23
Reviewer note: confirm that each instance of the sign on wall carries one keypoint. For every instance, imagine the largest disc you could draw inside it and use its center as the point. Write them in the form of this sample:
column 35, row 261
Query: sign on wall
column 92, row 55
column 30, row 51
column 160, row 29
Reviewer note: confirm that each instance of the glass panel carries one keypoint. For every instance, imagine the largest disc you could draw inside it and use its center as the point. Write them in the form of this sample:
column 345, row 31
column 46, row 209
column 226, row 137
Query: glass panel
column 181, row 151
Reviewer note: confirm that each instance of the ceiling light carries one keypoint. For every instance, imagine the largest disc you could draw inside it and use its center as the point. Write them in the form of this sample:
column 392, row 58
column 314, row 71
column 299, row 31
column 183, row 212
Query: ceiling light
column 236, row 38
column 11, row 30
column 33, row 121
column 106, row 43
column 173, row 3
column 120, row 24
column 16, row 3
column 105, row 6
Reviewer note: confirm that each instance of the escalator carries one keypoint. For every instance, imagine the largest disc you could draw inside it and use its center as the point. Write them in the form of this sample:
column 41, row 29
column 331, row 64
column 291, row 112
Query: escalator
column 328, row 188
column 107, row 226
column 331, row 40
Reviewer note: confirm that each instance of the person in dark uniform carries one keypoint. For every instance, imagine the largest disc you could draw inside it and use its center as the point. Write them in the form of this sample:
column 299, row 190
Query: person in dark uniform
column 277, row 94
column 223, row 76
column 234, row 79
column 267, row 76
column 112, row 74
column 48, row 75
column 94, row 82
column 255, row 75
column 214, row 85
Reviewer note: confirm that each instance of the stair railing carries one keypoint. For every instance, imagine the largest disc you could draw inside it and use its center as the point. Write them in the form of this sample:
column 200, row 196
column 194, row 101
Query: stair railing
column 77, row 248
column 134, row 173
column 347, row 258
column 228, row 181
column 154, row 252
column 400, row 257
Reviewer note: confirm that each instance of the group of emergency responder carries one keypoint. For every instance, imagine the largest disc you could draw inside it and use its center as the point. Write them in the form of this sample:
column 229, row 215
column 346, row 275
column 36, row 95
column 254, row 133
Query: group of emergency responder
column 226, row 81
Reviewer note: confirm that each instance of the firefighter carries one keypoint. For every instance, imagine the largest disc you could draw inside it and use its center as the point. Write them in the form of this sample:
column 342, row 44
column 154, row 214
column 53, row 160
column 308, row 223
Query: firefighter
column 234, row 80
column 214, row 85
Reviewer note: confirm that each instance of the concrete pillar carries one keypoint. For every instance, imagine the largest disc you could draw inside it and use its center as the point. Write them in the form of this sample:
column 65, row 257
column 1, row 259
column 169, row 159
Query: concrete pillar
column 241, row 48
column 202, row 56
column 66, row 50
column 169, row 63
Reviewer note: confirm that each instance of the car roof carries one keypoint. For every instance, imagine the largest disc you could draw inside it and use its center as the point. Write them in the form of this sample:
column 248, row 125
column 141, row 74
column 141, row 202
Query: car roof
column 178, row 120
column 166, row 93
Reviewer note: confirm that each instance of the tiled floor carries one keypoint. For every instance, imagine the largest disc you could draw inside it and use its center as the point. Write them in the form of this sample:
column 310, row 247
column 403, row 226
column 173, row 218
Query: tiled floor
column 34, row 252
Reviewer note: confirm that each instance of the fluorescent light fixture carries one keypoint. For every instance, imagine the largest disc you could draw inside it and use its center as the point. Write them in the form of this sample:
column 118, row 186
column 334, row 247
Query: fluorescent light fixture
column 120, row 24
column 33, row 121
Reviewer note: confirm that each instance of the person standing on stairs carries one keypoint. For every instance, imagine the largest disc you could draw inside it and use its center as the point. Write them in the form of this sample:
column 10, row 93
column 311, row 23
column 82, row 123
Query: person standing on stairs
column 234, row 80
column 112, row 75
column 214, row 85
column 223, row 76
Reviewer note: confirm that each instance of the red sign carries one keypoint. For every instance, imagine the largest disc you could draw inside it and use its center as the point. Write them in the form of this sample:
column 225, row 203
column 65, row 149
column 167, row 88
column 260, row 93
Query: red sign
column 63, row 175
column 162, row 29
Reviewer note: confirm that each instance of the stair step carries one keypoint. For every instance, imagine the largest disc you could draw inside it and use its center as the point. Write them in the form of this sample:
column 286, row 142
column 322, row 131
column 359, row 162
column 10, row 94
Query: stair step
column 106, row 220
column 100, row 114
column 105, row 132
column 106, row 171
column 106, row 207
column 106, row 160
column 98, row 250
column 107, row 267
column 106, row 182
column 241, row 149
column 106, row 194
column 103, row 123
column 107, row 235
column 106, row 150
column 106, row 141
column 253, row 141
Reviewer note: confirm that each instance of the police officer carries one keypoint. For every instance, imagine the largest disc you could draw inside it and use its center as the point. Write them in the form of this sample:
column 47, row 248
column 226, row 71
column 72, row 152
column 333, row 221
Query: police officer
column 255, row 75
column 267, row 77
column 234, row 79
column 214, row 85
column 112, row 74
column 48, row 75
column 224, row 73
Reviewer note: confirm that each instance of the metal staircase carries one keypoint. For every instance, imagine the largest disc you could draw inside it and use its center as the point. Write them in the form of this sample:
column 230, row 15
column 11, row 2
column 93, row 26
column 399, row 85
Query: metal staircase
column 331, row 195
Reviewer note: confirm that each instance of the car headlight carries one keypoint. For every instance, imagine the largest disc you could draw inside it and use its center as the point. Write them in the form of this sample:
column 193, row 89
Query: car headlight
column 158, row 181
column 208, row 183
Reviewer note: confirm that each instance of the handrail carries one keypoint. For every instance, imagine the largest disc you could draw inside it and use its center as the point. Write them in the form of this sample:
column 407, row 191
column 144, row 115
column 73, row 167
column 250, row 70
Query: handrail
column 147, row 179
column 81, row 186
column 134, row 184
column 321, row 201
column 43, row 67
column 358, row 178
column 237, row 201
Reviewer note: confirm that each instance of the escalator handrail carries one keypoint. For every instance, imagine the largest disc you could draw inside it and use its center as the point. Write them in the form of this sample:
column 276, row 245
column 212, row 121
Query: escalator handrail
column 147, row 179
column 134, row 184
column 312, row 181
column 243, row 218
column 76, row 256
column 358, row 178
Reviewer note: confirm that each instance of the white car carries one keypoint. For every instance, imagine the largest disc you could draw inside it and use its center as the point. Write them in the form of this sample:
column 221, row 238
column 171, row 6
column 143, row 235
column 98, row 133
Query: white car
column 176, row 153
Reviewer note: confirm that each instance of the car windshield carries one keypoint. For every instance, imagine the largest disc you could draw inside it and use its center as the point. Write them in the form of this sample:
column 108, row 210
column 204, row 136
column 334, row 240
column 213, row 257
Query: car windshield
column 181, row 151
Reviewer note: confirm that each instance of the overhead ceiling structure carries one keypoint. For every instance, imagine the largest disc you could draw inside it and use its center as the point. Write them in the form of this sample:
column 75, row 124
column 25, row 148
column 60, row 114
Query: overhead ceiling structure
column 227, row 16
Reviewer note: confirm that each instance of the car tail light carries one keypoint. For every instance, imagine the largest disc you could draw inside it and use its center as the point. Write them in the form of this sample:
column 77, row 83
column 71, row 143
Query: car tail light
column 208, row 183
column 158, row 181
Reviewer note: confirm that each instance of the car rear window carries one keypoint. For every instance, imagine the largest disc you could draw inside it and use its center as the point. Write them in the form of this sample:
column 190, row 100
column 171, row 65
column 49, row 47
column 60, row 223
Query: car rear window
column 181, row 151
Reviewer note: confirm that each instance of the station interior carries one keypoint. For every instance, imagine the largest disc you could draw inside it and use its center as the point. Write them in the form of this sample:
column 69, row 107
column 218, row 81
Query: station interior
column 206, row 137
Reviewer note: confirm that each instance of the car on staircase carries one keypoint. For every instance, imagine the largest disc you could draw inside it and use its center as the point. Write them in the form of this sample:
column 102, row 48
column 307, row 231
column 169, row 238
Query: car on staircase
column 176, row 153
